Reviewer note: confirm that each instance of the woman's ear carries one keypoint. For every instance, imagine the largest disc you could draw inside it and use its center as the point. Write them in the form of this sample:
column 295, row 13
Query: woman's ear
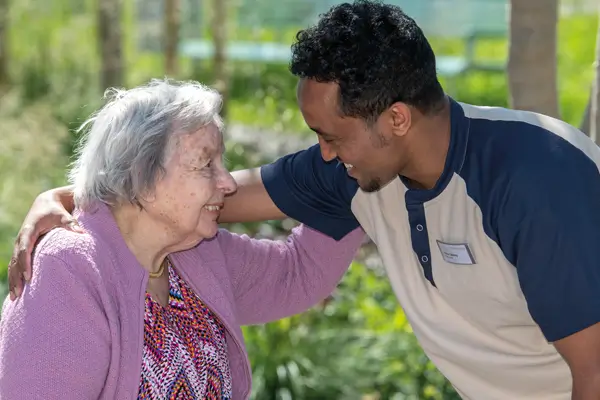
column 145, row 199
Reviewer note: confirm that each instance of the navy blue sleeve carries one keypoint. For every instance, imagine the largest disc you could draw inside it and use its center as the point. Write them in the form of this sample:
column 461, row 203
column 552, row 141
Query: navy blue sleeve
column 549, row 227
column 312, row 191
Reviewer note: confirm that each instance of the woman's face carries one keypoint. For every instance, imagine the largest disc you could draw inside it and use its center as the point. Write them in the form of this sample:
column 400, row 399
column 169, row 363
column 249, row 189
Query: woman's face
column 190, row 195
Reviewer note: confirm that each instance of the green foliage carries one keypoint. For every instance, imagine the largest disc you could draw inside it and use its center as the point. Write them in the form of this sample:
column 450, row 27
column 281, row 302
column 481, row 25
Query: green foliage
column 357, row 344
column 32, row 159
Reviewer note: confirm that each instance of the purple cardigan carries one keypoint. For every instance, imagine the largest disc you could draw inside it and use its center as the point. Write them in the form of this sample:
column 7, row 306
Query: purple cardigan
column 77, row 330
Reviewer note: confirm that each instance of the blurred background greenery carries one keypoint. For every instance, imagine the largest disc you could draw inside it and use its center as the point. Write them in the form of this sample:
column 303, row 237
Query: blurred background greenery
column 357, row 344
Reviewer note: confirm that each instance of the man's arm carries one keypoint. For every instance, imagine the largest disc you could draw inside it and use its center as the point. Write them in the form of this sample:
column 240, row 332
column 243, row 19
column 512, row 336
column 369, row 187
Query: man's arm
column 301, row 185
column 548, row 226
column 50, row 209
column 53, row 208
column 251, row 202
column 581, row 351
column 313, row 191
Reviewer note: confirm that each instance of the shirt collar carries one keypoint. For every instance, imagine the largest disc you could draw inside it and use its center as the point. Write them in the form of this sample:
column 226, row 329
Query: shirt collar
column 459, row 137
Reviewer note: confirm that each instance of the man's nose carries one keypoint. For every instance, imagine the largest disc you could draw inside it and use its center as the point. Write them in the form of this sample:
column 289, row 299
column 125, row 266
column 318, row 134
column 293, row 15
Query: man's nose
column 327, row 152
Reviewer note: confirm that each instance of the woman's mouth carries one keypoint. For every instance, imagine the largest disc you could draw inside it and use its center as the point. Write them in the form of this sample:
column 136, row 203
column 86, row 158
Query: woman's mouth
column 213, row 207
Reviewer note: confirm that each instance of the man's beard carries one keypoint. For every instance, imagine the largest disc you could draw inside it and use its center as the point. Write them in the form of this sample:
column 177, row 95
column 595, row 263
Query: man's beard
column 372, row 186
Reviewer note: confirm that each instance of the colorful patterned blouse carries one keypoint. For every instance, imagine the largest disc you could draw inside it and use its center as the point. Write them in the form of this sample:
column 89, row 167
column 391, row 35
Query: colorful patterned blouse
column 185, row 351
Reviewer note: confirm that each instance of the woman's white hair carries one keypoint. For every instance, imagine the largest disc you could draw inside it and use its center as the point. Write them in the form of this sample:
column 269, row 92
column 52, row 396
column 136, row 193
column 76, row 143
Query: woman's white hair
column 125, row 144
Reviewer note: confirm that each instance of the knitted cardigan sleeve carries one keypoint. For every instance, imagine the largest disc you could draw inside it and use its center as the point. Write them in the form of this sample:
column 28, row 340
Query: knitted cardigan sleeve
column 55, row 340
column 275, row 279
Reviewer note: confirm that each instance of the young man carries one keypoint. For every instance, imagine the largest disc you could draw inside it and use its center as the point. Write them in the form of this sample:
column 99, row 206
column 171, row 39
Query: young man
column 487, row 219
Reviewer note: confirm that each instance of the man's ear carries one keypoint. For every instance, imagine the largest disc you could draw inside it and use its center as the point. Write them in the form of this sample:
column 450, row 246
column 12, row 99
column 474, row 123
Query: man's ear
column 400, row 117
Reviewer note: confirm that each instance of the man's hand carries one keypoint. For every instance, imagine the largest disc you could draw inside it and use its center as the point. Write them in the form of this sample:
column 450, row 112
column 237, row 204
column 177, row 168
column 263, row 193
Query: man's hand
column 50, row 209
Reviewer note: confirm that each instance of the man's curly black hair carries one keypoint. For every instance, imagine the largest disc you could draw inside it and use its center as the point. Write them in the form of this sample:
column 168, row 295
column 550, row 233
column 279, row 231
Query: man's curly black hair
column 375, row 53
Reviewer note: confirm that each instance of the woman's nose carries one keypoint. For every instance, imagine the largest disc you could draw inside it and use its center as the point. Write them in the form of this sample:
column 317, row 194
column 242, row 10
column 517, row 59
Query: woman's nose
column 226, row 183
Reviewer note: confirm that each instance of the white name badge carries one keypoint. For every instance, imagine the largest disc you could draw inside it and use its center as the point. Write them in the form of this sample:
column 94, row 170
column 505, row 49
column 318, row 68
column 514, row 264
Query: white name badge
column 456, row 253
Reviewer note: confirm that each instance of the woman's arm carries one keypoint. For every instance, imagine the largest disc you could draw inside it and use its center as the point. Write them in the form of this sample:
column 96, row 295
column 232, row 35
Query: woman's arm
column 276, row 279
column 54, row 340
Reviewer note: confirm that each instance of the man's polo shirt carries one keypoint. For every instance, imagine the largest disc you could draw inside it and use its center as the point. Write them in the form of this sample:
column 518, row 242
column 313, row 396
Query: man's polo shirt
column 500, row 258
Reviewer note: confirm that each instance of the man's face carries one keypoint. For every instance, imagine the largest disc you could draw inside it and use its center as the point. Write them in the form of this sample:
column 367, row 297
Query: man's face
column 372, row 153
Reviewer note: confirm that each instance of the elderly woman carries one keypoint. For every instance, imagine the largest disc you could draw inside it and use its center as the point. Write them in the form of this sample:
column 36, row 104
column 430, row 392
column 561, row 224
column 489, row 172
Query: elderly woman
column 148, row 302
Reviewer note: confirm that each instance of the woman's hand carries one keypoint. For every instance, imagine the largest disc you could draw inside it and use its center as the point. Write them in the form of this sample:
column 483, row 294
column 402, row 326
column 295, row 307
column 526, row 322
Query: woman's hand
column 51, row 209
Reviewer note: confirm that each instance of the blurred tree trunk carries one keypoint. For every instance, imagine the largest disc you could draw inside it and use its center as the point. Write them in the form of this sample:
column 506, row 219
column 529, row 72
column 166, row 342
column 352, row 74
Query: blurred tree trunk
column 585, row 121
column 4, row 7
column 111, row 45
column 532, row 75
column 172, row 28
column 594, row 103
column 593, row 99
column 219, row 34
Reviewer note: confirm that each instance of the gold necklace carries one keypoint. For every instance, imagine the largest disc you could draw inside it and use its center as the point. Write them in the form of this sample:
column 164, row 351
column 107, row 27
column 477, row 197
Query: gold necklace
column 160, row 271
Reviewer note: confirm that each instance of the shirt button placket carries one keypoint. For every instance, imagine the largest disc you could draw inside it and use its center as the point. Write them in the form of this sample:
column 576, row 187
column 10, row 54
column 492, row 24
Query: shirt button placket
column 420, row 237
